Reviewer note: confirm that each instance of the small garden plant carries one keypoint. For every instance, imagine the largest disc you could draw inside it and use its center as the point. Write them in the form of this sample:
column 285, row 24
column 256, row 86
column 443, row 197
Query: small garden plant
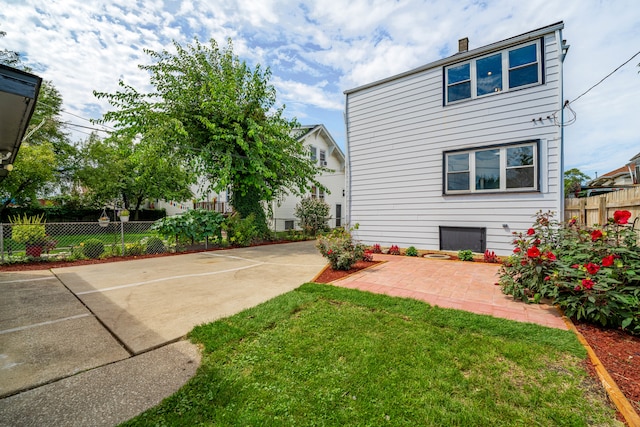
column 592, row 273
column 465, row 255
column 411, row 251
column 340, row 249
column 93, row 248
column 394, row 250
column 376, row 249
column 491, row 257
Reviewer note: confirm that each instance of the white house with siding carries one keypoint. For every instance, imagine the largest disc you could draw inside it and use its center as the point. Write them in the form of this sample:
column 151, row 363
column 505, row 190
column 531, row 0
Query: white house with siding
column 461, row 152
column 324, row 150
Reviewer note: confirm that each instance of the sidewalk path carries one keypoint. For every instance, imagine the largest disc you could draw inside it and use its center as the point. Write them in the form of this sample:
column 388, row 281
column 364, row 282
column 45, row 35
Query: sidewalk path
column 468, row 286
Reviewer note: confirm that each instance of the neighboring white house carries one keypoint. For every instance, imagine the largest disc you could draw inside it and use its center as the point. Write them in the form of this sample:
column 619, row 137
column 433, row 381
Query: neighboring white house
column 323, row 148
column 461, row 152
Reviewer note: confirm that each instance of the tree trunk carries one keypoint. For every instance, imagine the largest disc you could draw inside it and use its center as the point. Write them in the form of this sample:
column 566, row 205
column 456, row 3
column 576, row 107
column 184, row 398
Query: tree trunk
column 250, row 204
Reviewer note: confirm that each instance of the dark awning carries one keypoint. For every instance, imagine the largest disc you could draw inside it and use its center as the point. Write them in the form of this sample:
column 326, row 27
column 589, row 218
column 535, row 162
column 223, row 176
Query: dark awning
column 18, row 96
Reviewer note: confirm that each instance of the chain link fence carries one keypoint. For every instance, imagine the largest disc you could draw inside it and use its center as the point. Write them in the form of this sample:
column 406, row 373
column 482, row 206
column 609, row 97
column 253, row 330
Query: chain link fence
column 78, row 240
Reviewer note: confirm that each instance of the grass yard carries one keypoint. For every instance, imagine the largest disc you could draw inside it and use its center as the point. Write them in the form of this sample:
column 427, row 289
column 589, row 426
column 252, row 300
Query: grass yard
column 322, row 355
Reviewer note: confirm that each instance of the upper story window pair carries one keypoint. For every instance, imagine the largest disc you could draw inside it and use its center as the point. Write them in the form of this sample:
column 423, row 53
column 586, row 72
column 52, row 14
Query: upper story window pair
column 313, row 153
column 513, row 68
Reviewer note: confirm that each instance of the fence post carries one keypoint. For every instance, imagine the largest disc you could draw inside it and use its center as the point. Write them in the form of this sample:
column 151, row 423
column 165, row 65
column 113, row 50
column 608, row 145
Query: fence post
column 122, row 237
column 602, row 210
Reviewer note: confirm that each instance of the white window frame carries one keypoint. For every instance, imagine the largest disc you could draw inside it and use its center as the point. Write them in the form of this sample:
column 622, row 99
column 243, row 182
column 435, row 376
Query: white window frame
column 505, row 73
column 503, row 169
column 313, row 153
column 323, row 158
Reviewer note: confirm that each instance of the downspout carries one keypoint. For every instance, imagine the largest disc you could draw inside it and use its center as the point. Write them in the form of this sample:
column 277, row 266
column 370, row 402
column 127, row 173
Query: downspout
column 563, row 52
column 347, row 174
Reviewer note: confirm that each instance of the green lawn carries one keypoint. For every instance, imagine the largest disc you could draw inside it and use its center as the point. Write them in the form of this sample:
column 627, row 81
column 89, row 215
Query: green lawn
column 322, row 355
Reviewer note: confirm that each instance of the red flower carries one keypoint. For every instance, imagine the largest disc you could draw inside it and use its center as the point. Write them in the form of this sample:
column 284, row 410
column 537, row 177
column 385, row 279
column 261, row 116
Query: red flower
column 587, row 283
column 621, row 217
column 595, row 235
column 329, row 252
column 523, row 262
column 531, row 232
column 536, row 242
column 547, row 278
column 551, row 256
column 608, row 261
column 533, row 252
column 516, row 250
column 577, row 288
column 575, row 266
column 592, row 268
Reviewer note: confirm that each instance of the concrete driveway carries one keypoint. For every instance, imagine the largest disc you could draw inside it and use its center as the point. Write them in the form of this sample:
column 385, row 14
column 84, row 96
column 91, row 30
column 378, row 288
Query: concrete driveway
column 57, row 323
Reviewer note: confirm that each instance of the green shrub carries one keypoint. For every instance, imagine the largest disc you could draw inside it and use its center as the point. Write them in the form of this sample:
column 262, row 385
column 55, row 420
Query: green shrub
column 93, row 248
column 338, row 247
column 134, row 249
column 592, row 273
column 313, row 214
column 465, row 255
column 29, row 230
column 194, row 225
column 155, row 245
column 411, row 251
column 241, row 231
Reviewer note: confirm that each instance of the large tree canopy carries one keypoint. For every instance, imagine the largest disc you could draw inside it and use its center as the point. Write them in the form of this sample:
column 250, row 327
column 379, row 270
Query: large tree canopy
column 221, row 115
column 117, row 169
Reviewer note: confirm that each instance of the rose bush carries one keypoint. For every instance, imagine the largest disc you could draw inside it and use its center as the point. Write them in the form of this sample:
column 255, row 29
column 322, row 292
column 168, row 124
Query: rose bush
column 340, row 249
column 592, row 273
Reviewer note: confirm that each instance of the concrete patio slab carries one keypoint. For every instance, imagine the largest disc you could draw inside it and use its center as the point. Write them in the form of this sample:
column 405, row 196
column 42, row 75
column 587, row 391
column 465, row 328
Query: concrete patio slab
column 46, row 333
column 147, row 303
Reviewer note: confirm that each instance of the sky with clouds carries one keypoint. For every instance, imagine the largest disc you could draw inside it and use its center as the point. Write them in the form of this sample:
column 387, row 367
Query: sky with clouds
column 318, row 49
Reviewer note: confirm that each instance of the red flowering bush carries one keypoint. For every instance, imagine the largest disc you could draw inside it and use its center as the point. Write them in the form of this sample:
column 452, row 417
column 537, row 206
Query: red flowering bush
column 339, row 248
column 376, row 248
column 394, row 250
column 367, row 255
column 490, row 257
column 592, row 273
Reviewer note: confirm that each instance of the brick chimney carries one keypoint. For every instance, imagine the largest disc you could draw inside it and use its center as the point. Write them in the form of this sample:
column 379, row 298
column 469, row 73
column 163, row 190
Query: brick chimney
column 463, row 45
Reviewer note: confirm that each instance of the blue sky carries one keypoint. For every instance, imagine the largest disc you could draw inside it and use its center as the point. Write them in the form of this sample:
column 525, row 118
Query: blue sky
column 318, row 49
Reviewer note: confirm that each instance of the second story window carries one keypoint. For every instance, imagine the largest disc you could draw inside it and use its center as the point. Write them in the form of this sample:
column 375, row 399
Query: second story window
column 313, row 153
column 323, row 158
column 513, row 68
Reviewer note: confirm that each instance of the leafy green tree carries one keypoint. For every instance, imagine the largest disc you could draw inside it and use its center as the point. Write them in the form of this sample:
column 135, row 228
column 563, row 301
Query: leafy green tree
column 221, row 115
column 45, row 153
column 573, row 179
column 119, row 169
column 34, row 167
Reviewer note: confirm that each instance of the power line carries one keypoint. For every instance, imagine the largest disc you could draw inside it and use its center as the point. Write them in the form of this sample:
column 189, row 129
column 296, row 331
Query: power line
column 85, row 127
column 605, row 77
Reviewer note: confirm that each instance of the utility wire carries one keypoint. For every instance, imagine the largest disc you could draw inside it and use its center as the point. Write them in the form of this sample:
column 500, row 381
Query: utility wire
column 606, row 77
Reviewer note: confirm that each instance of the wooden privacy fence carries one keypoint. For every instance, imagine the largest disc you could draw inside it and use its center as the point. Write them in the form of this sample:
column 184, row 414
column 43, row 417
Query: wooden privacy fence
column 597, row 209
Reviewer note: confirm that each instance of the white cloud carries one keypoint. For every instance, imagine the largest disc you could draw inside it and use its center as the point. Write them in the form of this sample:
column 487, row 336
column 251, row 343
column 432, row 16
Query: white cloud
column 317, row 50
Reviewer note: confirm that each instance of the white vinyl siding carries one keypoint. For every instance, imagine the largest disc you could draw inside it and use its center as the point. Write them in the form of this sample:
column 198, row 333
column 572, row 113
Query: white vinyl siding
column 398, row 131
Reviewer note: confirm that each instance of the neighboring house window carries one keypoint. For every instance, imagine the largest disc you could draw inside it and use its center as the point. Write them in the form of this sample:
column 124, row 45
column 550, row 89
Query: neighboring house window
column 314, row 192
column 512, row 68
column 321, row 194
column 313, row 153
column 323, row 158
column 510, row 167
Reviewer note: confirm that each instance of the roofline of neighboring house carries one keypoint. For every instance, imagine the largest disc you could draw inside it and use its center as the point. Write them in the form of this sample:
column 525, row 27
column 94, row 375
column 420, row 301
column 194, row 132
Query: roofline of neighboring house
column 461, row 56
column 318, row 128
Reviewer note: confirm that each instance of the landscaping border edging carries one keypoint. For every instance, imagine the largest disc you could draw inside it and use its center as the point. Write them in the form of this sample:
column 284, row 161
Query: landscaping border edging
column 617, row 397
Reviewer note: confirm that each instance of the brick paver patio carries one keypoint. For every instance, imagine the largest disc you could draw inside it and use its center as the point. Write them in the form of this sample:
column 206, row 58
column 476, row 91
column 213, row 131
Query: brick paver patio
column 468, row 286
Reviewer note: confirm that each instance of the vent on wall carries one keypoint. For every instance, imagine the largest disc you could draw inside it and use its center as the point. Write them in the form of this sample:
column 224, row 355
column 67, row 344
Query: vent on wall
column 462, row 238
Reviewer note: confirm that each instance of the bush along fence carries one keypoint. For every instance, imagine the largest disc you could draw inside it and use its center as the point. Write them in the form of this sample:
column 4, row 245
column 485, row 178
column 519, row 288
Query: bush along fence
column 592, row 273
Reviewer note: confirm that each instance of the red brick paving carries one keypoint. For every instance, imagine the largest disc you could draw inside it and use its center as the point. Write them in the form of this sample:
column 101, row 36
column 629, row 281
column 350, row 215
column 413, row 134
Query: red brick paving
column 468, row 286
